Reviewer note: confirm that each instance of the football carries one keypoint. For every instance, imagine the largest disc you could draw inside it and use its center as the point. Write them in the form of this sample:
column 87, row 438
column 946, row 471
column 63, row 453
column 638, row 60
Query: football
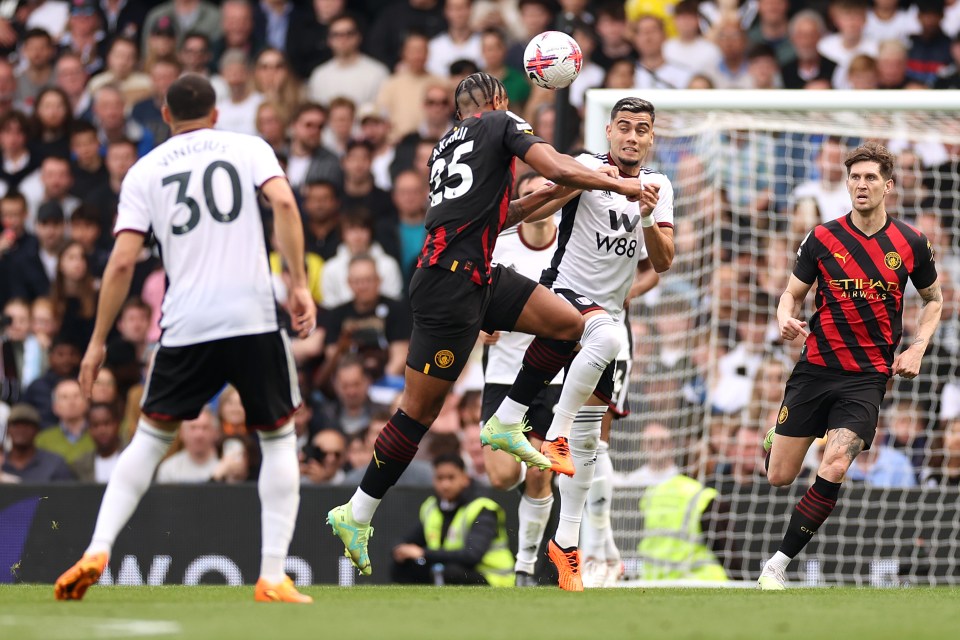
column 552, row 60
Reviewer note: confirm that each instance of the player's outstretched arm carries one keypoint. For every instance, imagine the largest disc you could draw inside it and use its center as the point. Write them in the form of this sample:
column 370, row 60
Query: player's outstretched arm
column 563, row 169
column 113, row 291
column 789, row 309
column 907, row 362
column 538, row 205
column 288, row 230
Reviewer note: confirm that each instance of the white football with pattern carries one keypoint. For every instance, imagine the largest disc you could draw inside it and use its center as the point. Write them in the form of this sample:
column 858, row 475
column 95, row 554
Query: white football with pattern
column 552, row 60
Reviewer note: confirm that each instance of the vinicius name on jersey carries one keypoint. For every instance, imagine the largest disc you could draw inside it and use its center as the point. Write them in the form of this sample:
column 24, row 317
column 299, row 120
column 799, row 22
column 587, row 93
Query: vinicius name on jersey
column 186, row 150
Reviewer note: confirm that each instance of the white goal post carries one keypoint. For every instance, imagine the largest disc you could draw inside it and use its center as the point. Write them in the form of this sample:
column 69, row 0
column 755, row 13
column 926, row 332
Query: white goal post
column 754, row 171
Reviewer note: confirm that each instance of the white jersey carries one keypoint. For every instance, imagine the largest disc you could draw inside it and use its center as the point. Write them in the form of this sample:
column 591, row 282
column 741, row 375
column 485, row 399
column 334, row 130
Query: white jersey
column 504, row 359
column 601, row 240
column 197, row 192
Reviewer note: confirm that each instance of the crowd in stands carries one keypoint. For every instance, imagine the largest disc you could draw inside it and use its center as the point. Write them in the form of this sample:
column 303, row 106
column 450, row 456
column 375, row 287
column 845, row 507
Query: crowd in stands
column 352, row 96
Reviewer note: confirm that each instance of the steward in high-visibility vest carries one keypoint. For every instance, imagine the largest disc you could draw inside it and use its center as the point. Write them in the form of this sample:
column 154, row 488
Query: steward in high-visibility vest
column 459, row 529
column 673, row 546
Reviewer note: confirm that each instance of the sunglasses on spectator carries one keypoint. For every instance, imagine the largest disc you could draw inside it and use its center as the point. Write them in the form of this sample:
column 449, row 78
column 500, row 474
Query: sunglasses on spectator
column 320, row 455
column 431, row 102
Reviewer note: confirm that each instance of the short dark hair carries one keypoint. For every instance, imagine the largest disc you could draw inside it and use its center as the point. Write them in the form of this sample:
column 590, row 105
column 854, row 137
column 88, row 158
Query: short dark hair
column 306, row 107
column 190, row 97
column 18, row 117
column 872, row 152
column 82, row 126
column 360, row 143
column 633, row 105
column 357, row 216
column 198, row 34
column 37, row 32
column 450, row 458
column 108, row 406
column 463, row 66
column 526, row 177
column 320, row 182
column 86, row 212
column 15, row 196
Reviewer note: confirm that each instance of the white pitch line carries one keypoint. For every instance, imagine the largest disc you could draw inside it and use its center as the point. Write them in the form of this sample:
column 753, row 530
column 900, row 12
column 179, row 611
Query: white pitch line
column 52, row 627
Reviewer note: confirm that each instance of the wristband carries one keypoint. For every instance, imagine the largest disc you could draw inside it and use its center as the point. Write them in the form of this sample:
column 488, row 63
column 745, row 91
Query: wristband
column 648, row 221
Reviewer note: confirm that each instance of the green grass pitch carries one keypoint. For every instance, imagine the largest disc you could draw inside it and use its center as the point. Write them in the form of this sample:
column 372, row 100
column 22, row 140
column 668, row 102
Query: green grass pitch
column 422, row 613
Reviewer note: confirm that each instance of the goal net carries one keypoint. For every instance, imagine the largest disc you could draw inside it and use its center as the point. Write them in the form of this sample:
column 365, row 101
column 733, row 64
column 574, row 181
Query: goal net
column 753, row 173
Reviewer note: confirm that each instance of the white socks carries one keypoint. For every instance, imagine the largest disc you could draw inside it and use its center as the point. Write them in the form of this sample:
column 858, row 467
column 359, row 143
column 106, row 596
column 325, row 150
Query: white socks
column 129, row 481
column 599, row 345
column 279, row 488
column 534, row 514
column 510, row 411
column 364, row 506
column 584, row 439
column 780, row 560
column 595, row 529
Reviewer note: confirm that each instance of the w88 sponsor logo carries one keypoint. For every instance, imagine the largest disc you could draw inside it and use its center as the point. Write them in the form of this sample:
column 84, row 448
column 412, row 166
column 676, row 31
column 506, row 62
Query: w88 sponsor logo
column 619, row 246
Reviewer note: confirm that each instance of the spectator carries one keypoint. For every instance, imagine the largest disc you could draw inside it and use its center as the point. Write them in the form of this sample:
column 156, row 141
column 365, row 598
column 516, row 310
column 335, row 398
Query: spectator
column 161, row 42
column 762, row 67
column 737, row 370
column 73, row 294
column 410, row 200
column 772, row 28
column 743, row 460
column 89, row 171
column 613, row 42
column 351, row 409
column 105, row 390
column 121, row 155
column 307, row 160
column 929, row 49
column 653, row 71
column 339, row 130
column 459, row 40
column 16, row 243
column 17, row 164
column 195, row 54
column 104, row 430
column 947, row 472
column 850, row 17
column 536, row 16
column 398, row 19
column 357, row 231
column 67, row 437
column 349, row 72
column 273, row 18
column 50, row 124
column 123, row 61
column 892, row 66
column 25, row 460
column 237, row 30
column 44, row 326
column 731, row 72
column 493, row 49
column 112, row 123
column 84, row 37
column 689, row 49
column 133, row 325
column 461, row 535
column 51, row 184
column 281, row 272
column 829, row 191
column 321, row 213
column 591, row 74
column 324, row 459
column 72, row 78
column 307, row 37
column 949, row 76
column 887, row 21
column 371, row 325
column 8, row 88
column 883, row 466
column 908, row 430
column 232, row 415
column 862, row 73
column 85, row 231
column 271, row 127
column 359, row 190
column 146, row 113
column 123, row 17
column 37, row 268
column 198, row 461
column 186, row 16
column 237, row 106
column 273, row 79
column 658, row 449
column 38, row 52
column 6, row 478
column 16, row 369
column 806, row 30
column 375, row 130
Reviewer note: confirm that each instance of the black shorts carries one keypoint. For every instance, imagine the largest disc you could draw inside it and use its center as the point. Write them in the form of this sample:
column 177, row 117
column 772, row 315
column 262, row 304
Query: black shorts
column 539, row 415
column 449, row 311
column 613, row 381
column 820, row 399
column 182, row 380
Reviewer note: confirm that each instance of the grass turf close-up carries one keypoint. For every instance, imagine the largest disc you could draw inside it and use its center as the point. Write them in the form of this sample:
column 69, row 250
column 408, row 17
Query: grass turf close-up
column 422, row 613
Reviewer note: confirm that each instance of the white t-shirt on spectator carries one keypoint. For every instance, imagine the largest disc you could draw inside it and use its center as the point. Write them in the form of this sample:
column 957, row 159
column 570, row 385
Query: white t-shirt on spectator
column 103, row 467
column 831, row 47
column 359, row 81
column 667, row 76
column 591, row 77
column 951, row 19
column 831, row 203
column 443, row 51
column 380, row 168
column 335, row 289
column 181, row 468
column 197, row 192
column 239, row 117
column 900, row 27
column 698, row 56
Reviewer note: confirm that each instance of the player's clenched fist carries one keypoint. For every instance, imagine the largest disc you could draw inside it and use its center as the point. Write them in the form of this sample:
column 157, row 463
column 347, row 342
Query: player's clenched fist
column 649, row 196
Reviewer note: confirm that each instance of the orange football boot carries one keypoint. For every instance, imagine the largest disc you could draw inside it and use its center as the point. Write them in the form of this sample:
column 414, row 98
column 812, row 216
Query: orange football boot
column 558, row 453
column 568, row 566
column 282, row 591
column 77, row 579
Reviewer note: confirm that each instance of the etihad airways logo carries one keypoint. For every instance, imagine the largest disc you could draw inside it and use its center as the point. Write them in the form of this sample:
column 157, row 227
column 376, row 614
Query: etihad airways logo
column 864, row 288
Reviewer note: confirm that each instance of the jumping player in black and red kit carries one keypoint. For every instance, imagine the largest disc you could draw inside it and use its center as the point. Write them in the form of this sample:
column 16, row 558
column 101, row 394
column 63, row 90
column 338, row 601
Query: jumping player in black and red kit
column 455, row 292
column 861, row 263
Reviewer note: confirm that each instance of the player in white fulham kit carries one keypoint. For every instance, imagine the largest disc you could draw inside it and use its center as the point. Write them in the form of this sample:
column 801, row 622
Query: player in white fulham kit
column 601, row 238
column 197, row 193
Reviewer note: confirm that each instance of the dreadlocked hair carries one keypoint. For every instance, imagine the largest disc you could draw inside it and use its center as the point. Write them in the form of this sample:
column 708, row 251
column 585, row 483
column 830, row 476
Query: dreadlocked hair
column 477, row 90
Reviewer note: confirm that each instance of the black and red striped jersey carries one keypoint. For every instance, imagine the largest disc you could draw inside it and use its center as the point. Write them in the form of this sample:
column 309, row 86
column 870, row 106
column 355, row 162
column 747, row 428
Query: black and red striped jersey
column 860, row 284
column 471, row 181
